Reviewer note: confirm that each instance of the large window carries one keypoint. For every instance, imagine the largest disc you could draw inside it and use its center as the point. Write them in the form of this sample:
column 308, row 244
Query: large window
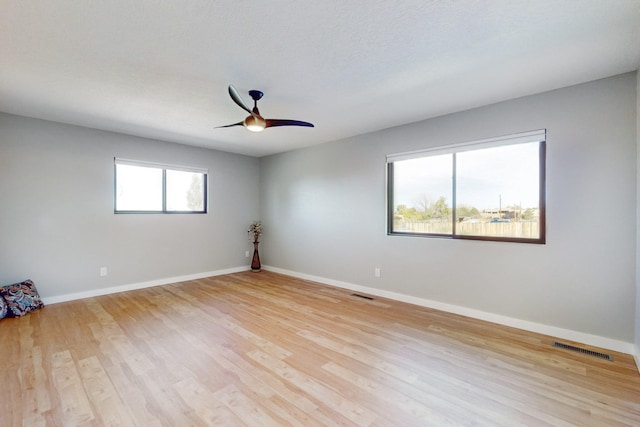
column 142, row 187
column 485, row 190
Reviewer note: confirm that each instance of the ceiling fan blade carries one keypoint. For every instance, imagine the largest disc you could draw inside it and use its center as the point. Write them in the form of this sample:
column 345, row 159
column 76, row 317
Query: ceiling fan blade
column 228, row 126
column 282, row 122
column 238, row 100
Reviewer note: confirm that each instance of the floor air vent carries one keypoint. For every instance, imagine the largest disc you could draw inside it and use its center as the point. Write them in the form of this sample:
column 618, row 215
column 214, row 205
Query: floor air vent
column 362, row 296
column 582, row 350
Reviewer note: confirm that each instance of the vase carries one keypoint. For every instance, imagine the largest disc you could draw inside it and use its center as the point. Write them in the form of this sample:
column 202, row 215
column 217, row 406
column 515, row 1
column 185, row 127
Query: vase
column 255, row 261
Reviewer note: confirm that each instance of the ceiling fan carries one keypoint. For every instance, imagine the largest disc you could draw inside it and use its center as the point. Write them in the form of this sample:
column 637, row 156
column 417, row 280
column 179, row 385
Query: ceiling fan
column 255, row 122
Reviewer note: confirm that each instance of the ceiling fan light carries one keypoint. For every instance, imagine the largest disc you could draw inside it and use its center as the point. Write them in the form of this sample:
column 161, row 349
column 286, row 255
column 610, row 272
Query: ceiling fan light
column 255, row 124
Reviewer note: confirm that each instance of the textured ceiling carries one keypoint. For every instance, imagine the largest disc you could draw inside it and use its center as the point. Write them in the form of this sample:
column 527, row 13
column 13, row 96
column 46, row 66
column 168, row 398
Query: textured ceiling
column 160, row 69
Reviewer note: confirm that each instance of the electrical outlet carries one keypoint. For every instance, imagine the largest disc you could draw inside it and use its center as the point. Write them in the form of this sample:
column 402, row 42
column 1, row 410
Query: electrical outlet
column 376, row 272
column 103, row 271
column 246, row 254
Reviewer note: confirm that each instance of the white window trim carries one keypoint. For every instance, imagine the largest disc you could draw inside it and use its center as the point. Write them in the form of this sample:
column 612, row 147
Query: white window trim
column 141, row 163
column 518, row 138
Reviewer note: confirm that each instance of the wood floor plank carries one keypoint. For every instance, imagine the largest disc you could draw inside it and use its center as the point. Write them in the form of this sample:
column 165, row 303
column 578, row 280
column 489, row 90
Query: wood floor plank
column 75, row 407
column 109, row 407
column 137, row 399
column 328, row 396
column 212, row 411
column 248, row 410
column 35, row 389
column 110, row 330
column 252, row 349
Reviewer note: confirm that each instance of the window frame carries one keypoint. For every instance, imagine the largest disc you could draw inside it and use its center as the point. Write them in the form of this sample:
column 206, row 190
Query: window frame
column 533, row 136
column 164, row 167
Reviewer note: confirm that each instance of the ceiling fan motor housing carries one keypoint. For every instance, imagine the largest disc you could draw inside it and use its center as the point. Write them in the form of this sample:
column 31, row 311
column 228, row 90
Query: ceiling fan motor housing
column 256, row 95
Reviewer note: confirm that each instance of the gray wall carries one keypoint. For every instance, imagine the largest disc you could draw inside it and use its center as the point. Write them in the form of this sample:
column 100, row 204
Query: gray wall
column 324, row 214
column 57, row 224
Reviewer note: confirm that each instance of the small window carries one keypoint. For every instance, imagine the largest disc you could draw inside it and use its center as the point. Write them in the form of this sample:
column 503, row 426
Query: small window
column 484, row 190
column 142, row 187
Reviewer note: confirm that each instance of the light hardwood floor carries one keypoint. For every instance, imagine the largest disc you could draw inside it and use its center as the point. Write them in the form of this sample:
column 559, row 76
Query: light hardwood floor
column 264, row 349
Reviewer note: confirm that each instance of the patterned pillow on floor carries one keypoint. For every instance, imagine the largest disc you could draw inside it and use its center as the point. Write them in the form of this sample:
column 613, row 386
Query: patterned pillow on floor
column 3, row 308
column 21, row 298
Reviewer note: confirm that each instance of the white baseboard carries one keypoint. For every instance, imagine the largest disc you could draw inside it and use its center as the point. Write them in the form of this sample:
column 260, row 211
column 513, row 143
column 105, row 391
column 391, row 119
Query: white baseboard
column 636, row 355
column 568, row 334
column 140, row 285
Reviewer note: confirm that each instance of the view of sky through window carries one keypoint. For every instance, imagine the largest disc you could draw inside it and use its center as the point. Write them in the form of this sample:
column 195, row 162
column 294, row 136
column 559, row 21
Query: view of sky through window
column 498, row 177
column 486, row 178
column 138, row 188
